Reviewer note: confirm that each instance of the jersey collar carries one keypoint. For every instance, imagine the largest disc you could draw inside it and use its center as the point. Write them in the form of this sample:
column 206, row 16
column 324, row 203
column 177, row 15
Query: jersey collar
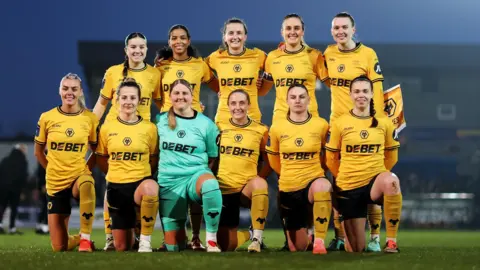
column 187, row 118
column 295, row 52
column 238, row 54
column 130, row 123
column 359, row 117
column 59, row 108
column 299, row 123
column 241, row 126
column 357, row 46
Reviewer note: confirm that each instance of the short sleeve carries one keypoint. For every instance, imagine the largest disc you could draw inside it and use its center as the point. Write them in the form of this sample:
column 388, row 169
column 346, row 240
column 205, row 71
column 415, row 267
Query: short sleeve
column 212, row 140
column 153, row 134
column 374, row 72
column 94, row 129
column 102, row 147
column 268, row 68
column 157, row 93
column 391, row 136
column 107, row 89
column 272, row 146
column 207, row 73
column 41, row 131
column 333, row 138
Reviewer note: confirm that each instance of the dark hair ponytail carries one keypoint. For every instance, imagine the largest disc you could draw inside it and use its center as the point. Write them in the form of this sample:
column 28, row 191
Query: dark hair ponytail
column 126, row 65
column 372, row 114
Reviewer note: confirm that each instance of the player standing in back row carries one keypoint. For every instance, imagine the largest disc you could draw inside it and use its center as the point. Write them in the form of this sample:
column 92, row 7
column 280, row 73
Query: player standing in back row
column 149, row 79
column 297, row 63
column 345, row 61
column 237, row 66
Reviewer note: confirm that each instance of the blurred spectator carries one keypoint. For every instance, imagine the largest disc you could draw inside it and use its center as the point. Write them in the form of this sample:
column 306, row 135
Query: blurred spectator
column 42, row 218
column 13, row 177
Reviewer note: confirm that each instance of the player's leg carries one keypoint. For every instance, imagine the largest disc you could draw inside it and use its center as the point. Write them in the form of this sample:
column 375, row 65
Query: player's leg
column 319, row 194
column 121, row 208
column 195, row 213
column 387, row 188
column 296, row 211
column 338, row 242
column 84, row 190
column 59, row 209
column 107, row 222
column 204, row 188
column 146, row 195
column 256, row 192
column 173, row 210
column 355, row 230
column 229, row 219
column 374, row 216
column 14, row 202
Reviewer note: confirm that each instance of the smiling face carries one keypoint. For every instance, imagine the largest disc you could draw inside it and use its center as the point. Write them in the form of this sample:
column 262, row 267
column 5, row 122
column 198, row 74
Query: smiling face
column 234, row 36
column 292, row 31
column 298, row 99
column 238, row 104
column 70, row 91
column 181, row 97
column 179, row 40
column 342, row 30
column 128, row 99
column 361, row 94
column 136, row 49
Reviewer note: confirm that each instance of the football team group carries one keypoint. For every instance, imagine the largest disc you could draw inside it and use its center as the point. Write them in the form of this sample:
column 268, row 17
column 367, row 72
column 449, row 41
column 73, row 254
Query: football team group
column 183, row 163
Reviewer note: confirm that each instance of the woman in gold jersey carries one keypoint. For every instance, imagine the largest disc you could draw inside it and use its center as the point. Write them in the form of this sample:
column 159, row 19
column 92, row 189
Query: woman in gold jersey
column 294, row 63
column 65, row 132
column 368, row 148
column 294, row 150
column 182, row 61
column 149, row 79
column 237, row 66
column 346, row 60
column 242, row 141
column 128, row 154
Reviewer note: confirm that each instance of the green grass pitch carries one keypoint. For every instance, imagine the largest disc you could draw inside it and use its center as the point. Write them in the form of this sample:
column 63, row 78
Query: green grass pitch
column 419, row 250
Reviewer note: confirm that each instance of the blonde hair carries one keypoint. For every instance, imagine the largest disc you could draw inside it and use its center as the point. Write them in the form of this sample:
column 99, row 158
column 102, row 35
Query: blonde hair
column 81, row 99
column 172, row 121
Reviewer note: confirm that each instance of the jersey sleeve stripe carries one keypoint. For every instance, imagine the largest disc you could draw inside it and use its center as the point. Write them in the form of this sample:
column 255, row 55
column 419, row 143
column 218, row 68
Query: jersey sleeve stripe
column 392, row 148
column 211, row 79
column 160, row 98
column 326, row 78
column 377, row 80
column 101, row 154
column 93, row 143
column 39, row 142
column 332, row 149
column 271, row 152
column 104, row 97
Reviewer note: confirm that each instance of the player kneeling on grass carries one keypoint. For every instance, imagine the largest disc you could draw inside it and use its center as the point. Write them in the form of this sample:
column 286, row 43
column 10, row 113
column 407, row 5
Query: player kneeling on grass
column 65, row 132
column 368, row 148
column 294, row 150
column 188, row 144
column 128, row 154
column 242, row 141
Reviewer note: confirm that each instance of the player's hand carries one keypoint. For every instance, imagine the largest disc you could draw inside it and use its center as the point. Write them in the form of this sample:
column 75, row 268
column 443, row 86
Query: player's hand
column 202, row 107
column 281, row 45
column 158, row 61
column 260, row 81
column 219, row 94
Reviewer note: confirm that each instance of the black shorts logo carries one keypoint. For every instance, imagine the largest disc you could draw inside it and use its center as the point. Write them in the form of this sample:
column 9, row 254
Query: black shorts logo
column 49, row 205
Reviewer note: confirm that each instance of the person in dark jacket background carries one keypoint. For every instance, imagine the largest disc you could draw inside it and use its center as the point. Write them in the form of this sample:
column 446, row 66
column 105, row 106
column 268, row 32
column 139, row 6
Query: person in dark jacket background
column 13, row 177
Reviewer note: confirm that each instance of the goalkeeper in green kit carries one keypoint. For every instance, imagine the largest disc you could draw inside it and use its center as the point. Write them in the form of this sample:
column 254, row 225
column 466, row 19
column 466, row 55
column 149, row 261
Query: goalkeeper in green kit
column 188, row 144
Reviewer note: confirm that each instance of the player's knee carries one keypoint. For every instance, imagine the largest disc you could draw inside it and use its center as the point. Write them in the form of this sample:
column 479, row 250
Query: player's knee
column 321, row 185
column 259, row 183
column 210, row 185
column 391, row 184
column 149, row 188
